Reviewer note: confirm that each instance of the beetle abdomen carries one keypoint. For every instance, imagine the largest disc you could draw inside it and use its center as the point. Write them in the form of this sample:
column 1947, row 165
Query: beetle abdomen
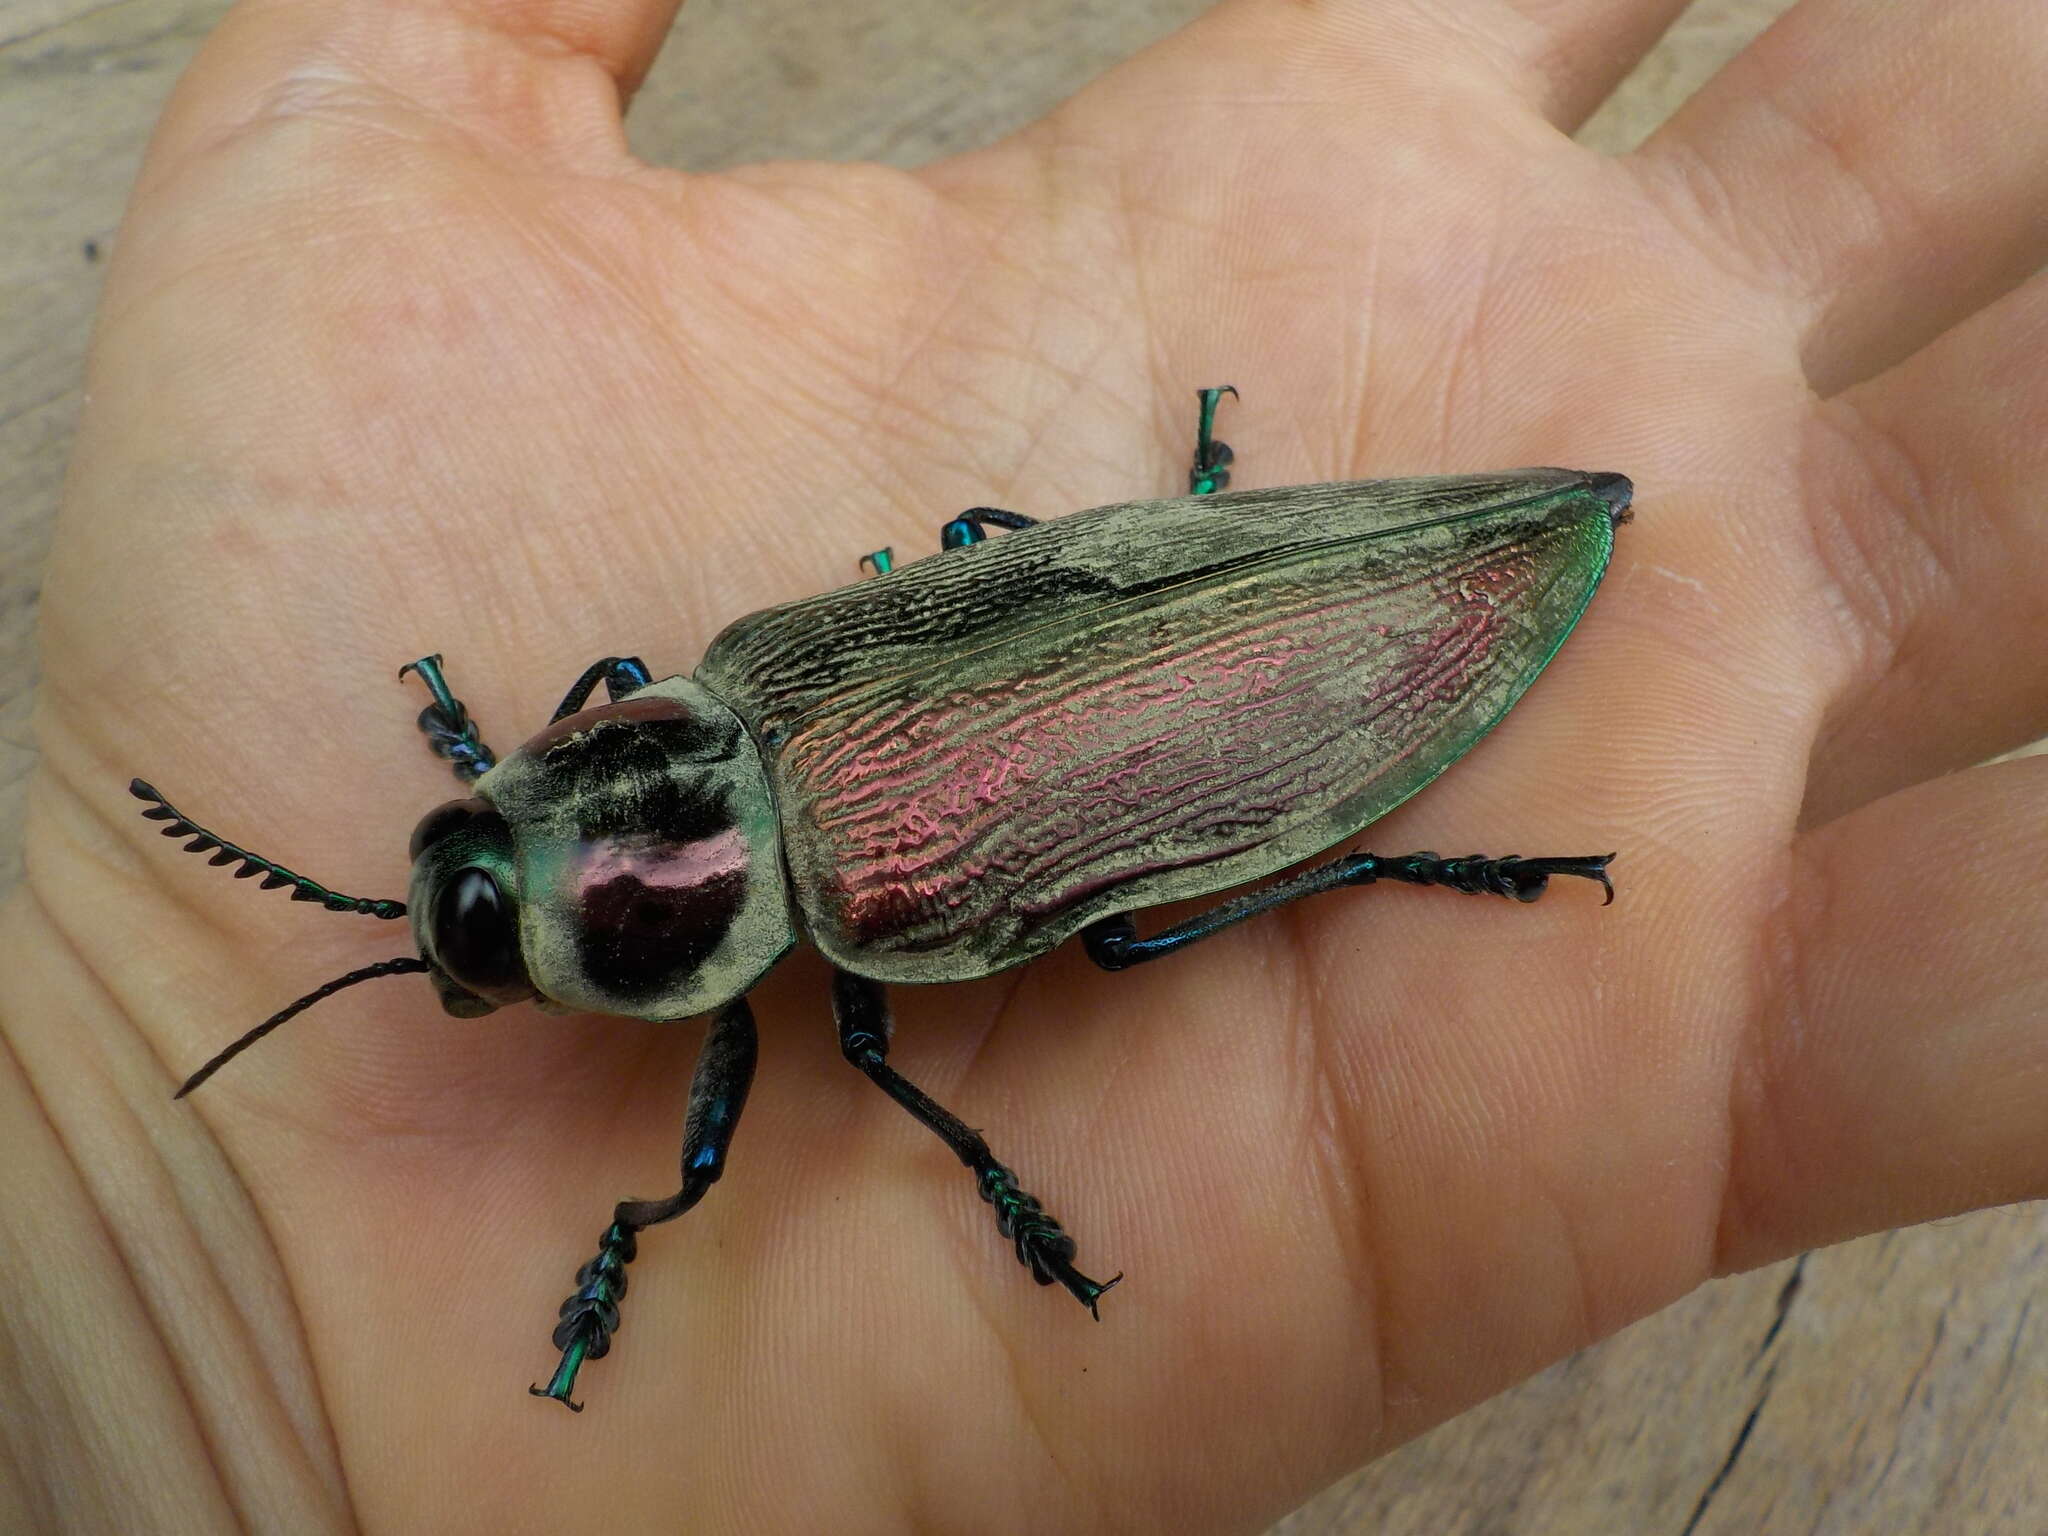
column 1165, row 742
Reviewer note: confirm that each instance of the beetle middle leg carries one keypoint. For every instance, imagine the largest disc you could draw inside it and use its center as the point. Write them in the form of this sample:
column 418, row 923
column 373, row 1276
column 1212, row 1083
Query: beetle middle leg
column 970, row 527
column 861, row 1009
column 621, row 675
column 1210, row 472
column 718, row 1092
column 1113, row 942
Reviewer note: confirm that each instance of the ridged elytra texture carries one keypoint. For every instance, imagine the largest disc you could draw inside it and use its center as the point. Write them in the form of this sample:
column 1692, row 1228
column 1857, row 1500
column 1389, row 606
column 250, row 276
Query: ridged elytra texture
column 976, row 755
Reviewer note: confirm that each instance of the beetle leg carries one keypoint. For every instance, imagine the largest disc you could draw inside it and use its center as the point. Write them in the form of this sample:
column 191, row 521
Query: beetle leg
column 861, row 1010
column 718, row 1092
column 1113, row 942
column 449, row 730
column 1210, row 472
column 621, row 675
column 972, row 526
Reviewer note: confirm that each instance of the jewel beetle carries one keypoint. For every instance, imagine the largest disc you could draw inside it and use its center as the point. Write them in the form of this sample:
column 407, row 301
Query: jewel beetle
column 952, row 767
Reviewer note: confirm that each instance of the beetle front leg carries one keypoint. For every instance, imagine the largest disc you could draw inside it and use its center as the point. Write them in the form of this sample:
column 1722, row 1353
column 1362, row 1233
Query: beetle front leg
column 718, row 1092
column 861, row 1010
column 1113, row 942
column 446, row 723
column 621, row 676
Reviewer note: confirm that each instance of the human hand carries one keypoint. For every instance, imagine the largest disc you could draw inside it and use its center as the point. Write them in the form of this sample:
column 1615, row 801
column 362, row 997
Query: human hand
column 401, row 352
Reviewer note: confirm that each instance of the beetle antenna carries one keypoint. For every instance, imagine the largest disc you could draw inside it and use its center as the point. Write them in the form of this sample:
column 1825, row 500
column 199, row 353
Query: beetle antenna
column 274, row 875
column 404, row 965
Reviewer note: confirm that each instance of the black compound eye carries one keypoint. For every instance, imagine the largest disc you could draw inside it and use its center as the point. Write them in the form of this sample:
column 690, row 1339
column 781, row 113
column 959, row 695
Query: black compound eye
column 473, row 934
column 442, row 820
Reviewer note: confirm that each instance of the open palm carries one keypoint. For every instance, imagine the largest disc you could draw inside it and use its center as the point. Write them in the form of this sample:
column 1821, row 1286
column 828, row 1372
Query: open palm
column 404, row 353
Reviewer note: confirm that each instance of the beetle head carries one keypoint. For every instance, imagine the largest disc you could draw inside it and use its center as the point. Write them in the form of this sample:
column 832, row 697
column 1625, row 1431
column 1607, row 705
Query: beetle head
column 626, row 860
column 464, row 906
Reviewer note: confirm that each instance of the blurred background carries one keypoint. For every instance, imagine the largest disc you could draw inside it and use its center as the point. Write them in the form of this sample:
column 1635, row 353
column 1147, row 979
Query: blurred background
column 1896, row 1385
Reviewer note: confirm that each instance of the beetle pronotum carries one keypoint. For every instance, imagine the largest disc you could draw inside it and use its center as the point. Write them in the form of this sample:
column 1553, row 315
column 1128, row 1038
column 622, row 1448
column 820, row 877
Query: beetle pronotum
column 953, row 767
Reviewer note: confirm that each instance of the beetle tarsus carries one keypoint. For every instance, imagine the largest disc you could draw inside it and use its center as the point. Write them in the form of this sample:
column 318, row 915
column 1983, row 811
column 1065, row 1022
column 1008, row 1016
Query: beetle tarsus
column 1043, row 1246
column 447, row 726
column 1512, row 876
column 1211, row 470
column 590, row 1315
column 564, row 1379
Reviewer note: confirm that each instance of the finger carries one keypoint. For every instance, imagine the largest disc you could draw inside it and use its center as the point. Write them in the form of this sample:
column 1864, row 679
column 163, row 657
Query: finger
column 1897, row 1072
column 1582, row 49
column 516, row 73
column 1883, row 165
column 1561, row 56
column 1930, row 522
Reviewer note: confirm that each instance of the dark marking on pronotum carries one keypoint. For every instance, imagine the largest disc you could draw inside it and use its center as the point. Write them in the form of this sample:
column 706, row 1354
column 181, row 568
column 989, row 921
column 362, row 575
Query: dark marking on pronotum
column 591, row 737
column 653, row 914
column 637, row 780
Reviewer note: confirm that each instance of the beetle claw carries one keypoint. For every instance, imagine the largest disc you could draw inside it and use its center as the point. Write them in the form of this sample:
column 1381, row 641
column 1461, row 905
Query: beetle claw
column 561, row 1397
column 1097, row 1289
column 564, row 1380
column 1530, row 876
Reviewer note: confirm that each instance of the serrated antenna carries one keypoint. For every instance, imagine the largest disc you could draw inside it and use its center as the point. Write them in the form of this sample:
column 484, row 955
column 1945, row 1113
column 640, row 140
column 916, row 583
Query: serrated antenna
column 275, row 876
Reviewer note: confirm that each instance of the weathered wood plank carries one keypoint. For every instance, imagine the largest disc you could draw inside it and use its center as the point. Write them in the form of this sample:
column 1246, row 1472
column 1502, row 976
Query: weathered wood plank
column 1891, row 1385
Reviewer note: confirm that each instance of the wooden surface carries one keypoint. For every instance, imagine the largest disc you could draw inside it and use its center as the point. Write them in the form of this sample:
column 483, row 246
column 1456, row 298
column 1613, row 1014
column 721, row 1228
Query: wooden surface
column 1895, row 1385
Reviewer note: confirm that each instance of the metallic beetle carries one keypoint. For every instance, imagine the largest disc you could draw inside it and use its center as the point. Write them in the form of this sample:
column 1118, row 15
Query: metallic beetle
column 953, row 767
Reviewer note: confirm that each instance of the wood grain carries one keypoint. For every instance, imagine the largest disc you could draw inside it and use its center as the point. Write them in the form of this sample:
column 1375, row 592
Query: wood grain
column 1898, row 1384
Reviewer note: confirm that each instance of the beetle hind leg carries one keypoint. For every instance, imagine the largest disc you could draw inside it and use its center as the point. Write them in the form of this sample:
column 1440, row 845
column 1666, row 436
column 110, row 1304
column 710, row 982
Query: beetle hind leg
column 718, row 1092
column 1113, row 942
column 861, row 1010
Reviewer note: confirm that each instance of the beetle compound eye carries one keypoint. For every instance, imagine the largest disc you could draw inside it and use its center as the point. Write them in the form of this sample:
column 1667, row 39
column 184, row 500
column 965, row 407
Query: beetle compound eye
column 442, row 820
column 473, row 935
